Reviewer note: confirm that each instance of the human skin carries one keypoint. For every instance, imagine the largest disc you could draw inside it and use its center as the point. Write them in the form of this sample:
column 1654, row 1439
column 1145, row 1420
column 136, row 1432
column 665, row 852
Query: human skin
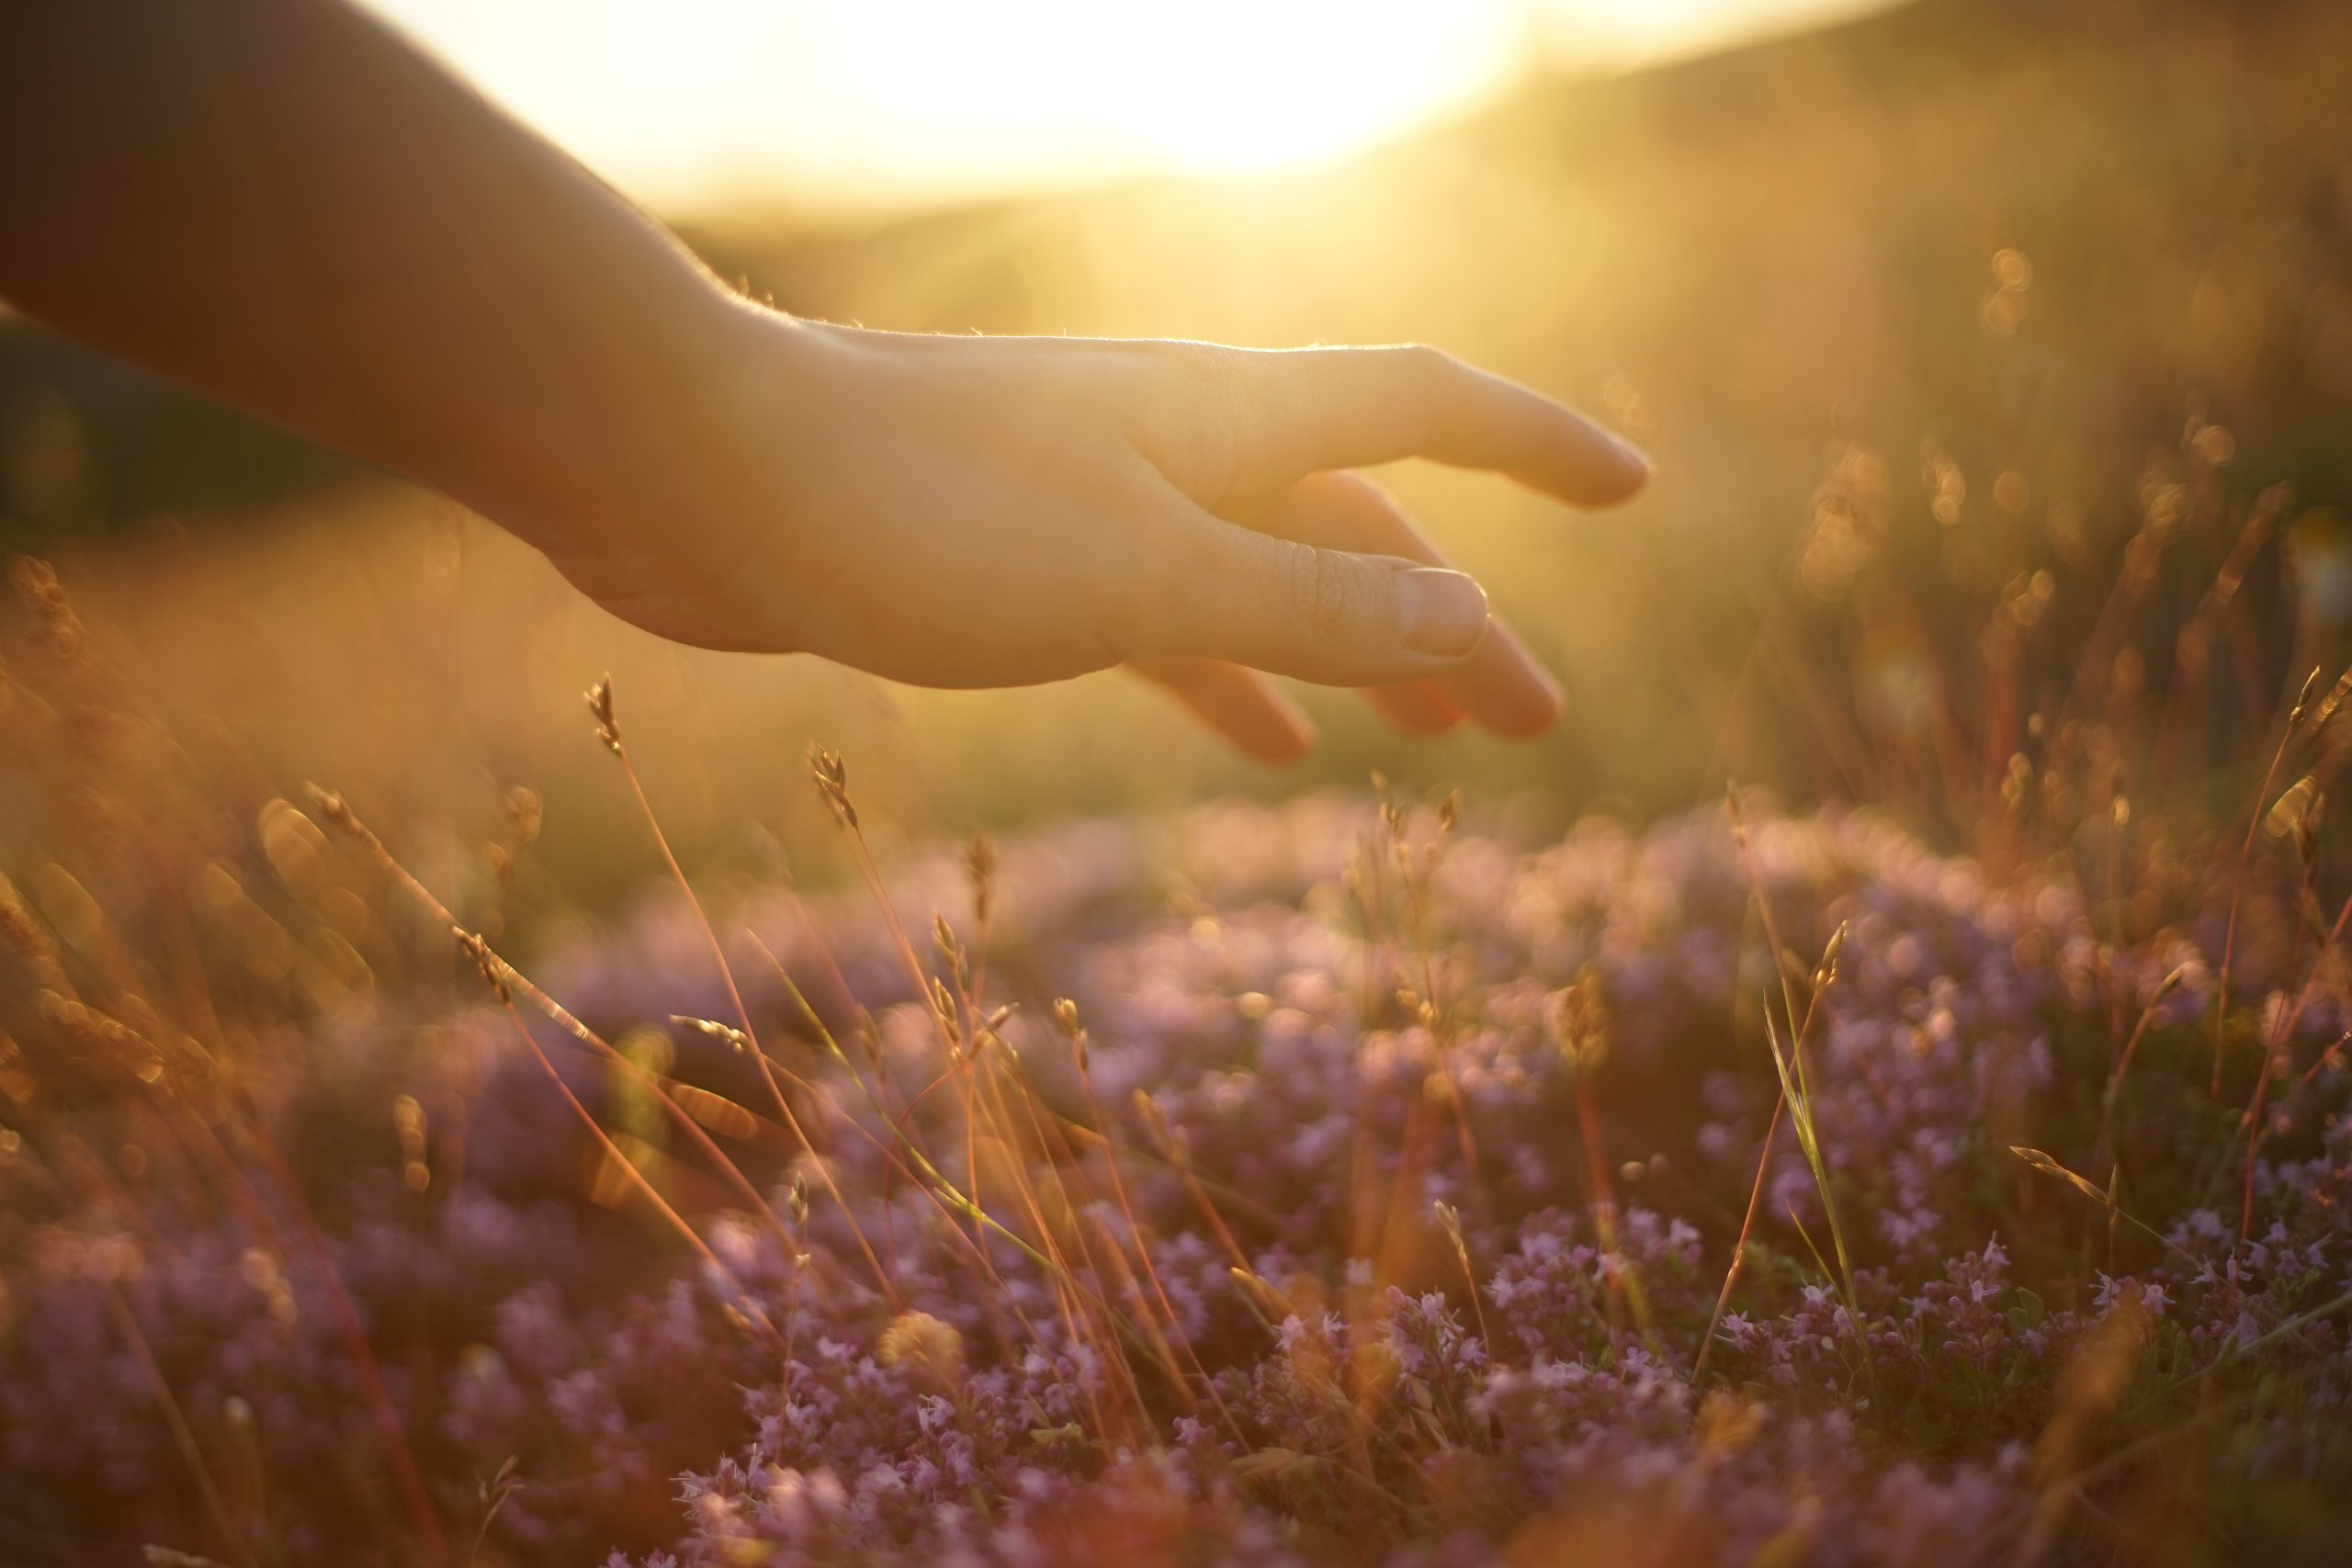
column 284, row 204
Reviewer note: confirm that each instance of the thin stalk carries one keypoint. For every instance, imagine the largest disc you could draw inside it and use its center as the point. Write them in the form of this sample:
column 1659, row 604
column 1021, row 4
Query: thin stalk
column 945, row 1190
column 338, row 812
column 612, row 1151
column 1143, row 1250
column 600, row 704
column 1795, row 1088
column 391, row 1431
column 182, row 1438
column 2237, row 890
column 702, row 919
column 2324, row 1058
column 2104, row 1148
column 1739, row 1248
column 2276, row 1043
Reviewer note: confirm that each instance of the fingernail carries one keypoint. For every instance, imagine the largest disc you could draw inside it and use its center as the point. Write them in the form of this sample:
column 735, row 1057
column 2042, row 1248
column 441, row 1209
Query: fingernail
column 1638, row 462
column 1444, row 612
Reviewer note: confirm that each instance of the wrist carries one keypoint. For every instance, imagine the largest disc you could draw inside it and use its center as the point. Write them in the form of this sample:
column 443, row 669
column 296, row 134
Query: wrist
column 639, row 430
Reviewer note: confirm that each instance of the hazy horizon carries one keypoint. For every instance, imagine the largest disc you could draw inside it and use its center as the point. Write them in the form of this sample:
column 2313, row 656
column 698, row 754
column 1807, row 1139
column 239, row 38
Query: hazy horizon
column 698, row 103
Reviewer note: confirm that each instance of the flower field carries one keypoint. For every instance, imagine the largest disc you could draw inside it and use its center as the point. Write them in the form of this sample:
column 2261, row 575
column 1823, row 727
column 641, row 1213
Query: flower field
column 1337, row 1181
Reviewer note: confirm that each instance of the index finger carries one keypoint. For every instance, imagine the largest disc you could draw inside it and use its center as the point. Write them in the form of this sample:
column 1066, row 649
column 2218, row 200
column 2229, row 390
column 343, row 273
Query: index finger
column 1501, row 685
column 1345, row 408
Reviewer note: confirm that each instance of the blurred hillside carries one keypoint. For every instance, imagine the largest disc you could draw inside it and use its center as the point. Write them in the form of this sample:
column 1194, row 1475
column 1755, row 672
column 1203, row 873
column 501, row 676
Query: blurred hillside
column 1927, row 319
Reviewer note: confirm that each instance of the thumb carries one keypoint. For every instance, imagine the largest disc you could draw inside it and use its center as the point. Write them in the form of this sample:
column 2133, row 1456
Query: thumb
column 1331, row 617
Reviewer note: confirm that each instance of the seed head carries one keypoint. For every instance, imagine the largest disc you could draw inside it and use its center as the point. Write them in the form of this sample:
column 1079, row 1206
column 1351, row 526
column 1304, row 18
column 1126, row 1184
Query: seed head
column 329, row 806
column 1262, row 1293
column 2334, row 700
column 1579, row 1020
column 735, row 1038
column 1826, row 973
column 922, row 1343
column 20, row 930
column 1171, row 1139
column 951, row 952
column 494, row 971
column 1449, row 1220
column 2290, row 806
column 36, row 586
column 599, row 698
column 1066, row 1020
column 2303, row 700
column 524, row 813
column 832, row 777
column 103, row 1036
column 2016, row 783
column 979, row 863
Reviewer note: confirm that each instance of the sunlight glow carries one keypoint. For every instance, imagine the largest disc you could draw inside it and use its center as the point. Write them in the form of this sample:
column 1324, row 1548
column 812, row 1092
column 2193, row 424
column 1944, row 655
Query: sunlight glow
column 1313, row 76
column 690, row 101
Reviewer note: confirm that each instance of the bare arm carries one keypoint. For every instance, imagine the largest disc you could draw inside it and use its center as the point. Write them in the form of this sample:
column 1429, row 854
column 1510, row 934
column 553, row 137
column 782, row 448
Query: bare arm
column 282, row 203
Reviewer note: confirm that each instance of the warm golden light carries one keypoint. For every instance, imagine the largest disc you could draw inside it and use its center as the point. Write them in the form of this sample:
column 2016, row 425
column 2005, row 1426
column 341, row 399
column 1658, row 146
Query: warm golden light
column 694, row 101
column 1222, row 85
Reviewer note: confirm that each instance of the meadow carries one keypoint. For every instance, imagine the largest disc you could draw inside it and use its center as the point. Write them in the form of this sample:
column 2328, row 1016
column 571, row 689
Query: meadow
column 762, row 1115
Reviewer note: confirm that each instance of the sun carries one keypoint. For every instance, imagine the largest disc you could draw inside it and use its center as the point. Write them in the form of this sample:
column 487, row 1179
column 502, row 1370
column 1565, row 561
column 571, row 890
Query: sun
column 1212, row 86
column 692, row 102
column 923, row 96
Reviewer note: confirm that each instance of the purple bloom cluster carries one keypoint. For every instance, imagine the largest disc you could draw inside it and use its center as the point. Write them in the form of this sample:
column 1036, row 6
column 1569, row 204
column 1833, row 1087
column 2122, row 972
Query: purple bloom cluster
column 1372, row 1202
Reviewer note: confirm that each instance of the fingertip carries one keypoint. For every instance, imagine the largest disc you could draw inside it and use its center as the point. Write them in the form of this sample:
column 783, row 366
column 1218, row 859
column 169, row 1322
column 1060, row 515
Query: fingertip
column 1507, row 688
column 1629, row 469
column 1525, row 712
column 1281, row 752
column 1253, row 713
column 1417, row 708
column 1442, row 614
column 1588, row 466
column 1273, row 730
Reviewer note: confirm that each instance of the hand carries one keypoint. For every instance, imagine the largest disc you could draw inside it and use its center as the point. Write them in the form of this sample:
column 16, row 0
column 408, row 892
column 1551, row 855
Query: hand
column 992, row 511
column 956, row 512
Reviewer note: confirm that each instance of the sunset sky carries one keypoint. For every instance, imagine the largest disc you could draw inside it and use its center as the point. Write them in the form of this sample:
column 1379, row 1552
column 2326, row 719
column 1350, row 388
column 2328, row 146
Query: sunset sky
column 688, row 102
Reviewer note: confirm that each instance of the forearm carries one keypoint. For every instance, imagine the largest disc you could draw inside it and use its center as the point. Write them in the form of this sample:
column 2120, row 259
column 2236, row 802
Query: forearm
column 281, row 203
column 284, row 204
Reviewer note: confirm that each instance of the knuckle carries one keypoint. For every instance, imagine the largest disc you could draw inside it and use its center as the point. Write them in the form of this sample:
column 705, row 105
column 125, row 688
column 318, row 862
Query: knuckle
column 1202, row 376
column 1197, row 412
column 1323, row 591
column 1430, row 376
column 1428, row 361
column 1219, row 373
